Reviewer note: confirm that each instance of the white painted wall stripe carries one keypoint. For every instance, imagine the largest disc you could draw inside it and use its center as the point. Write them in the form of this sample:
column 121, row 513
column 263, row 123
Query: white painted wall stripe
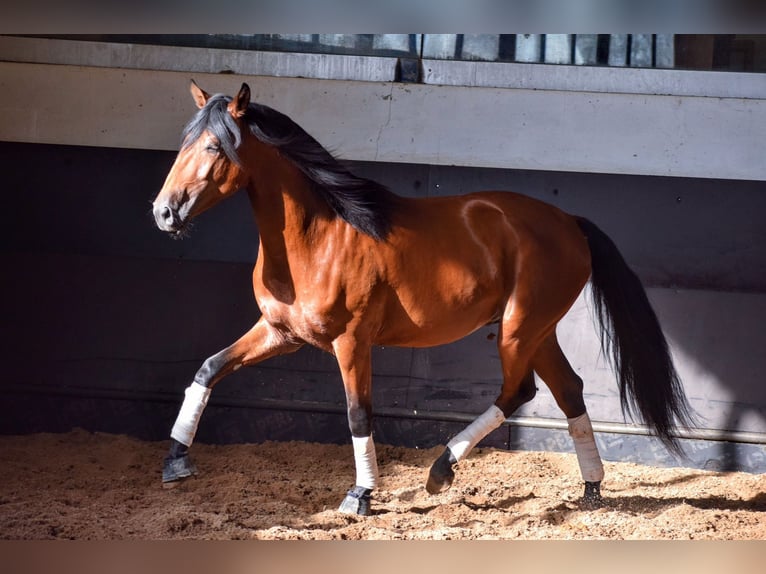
column 412, row 123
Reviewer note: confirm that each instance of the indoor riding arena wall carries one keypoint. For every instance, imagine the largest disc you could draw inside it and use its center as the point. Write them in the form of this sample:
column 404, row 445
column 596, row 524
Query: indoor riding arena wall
column 106, row 319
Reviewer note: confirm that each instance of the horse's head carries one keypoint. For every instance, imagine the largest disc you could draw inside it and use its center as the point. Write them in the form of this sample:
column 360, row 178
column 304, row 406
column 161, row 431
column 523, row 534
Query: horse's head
column 207, row 168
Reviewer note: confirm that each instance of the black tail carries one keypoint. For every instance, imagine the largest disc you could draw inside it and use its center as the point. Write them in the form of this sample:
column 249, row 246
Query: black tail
column 632, row 339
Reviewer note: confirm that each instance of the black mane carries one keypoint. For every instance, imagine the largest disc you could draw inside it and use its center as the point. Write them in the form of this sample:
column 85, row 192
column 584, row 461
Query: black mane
column 363, row 203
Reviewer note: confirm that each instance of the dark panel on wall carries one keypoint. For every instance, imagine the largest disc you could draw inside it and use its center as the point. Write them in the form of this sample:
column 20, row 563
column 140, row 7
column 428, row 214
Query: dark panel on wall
column 97, row 201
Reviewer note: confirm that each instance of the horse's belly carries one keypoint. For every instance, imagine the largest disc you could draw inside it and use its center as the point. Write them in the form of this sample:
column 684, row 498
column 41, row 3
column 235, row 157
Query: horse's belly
column 428, row 335
column 434, row 323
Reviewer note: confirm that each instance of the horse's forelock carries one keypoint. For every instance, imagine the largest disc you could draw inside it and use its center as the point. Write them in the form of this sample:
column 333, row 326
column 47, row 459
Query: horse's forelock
column 216, row 119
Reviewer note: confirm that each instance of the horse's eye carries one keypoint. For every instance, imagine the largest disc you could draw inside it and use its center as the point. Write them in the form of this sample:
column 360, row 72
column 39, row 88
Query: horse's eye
column 213, row 148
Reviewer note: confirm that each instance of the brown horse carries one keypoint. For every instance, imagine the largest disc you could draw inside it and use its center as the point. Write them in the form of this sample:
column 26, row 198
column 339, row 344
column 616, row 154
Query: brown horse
column 345, row 264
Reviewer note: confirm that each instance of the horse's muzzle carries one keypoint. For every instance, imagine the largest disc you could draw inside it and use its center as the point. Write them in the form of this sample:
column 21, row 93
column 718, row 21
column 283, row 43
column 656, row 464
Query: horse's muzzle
column 167, row 218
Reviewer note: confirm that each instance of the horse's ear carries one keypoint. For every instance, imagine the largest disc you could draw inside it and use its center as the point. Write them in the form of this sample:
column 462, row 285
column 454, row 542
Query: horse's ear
column 238, row 105
column 200, row 96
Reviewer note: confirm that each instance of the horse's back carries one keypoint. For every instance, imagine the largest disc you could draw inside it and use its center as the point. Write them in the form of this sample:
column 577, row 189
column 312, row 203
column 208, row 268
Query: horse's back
column 488, row 232
column 452, row 263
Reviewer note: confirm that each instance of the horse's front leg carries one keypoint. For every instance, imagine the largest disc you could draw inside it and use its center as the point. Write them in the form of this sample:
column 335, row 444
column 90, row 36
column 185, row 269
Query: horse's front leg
column 354, row 359
column 259, row 343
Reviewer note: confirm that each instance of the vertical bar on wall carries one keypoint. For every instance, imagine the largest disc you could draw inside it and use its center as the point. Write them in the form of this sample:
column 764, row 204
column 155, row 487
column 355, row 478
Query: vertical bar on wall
column 459, row 46
column 558, row 48
column 618, row 50
column 585, row 49
column 528, row 47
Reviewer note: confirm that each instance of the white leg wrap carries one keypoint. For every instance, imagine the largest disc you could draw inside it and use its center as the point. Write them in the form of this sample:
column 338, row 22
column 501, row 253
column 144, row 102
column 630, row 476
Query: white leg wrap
column 581, row 431
column 190, row 413
column 469, row 437
column 366, row 462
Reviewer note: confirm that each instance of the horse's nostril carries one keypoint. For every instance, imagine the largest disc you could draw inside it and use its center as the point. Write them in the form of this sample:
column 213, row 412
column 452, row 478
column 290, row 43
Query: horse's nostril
column 166, row 217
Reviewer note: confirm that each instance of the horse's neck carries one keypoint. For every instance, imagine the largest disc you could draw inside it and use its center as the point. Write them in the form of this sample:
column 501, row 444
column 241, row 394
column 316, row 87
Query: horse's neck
column 289, row 213
column 291, row 221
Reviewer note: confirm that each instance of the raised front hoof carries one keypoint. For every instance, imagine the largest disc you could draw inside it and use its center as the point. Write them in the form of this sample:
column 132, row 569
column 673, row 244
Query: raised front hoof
column 357, row 502
column 441, row 474
column 592, row 496
column 176, row 469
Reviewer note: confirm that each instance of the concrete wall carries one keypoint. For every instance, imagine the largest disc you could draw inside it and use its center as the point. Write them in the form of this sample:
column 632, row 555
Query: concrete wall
column 106, row 320
column 525, row 128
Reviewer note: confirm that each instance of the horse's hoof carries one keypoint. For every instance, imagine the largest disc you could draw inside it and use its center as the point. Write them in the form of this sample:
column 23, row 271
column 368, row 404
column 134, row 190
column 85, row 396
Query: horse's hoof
column 357, row 501
column 441, row 475
column 175, row 469
column 592, row 496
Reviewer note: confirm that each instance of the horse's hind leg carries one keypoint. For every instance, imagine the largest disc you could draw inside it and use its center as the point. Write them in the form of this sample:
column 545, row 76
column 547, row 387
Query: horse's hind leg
column 518, row 388
column 259, row 343
column 566, row 386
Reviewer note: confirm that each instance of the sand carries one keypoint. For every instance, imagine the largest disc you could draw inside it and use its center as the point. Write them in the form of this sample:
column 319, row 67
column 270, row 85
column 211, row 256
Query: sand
column 92, row 486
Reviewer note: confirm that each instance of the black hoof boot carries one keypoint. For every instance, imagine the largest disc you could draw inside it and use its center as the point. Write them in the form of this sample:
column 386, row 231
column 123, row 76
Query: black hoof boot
column 357, row 501
column 592, row 497
column 175, row 469
column 441, row 475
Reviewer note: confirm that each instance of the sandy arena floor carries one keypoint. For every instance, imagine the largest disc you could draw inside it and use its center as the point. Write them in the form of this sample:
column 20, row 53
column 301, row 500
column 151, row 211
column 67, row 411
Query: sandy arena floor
column 88, row 486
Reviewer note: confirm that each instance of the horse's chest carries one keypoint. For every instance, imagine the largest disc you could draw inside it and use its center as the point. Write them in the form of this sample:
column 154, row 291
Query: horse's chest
column 317, row 301
column 312, row 320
